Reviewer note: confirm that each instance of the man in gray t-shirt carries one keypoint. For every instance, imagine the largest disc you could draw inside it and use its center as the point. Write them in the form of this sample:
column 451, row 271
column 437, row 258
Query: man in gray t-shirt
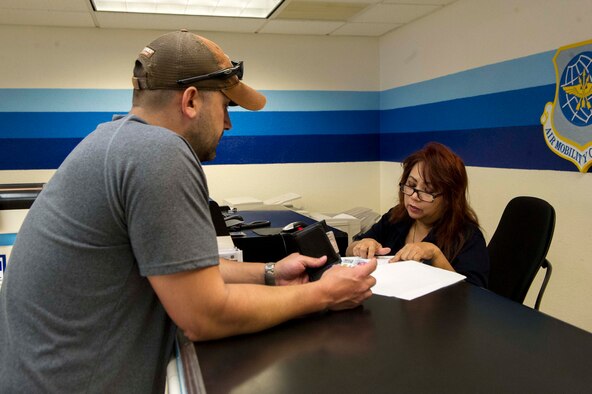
column 119, row 249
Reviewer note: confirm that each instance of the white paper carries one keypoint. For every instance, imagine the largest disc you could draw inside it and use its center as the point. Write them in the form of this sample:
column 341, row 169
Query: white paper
column 344, row 216
column 411, row 279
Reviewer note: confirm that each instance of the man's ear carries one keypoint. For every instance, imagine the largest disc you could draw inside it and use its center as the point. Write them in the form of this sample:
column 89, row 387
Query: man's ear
column 191, row 102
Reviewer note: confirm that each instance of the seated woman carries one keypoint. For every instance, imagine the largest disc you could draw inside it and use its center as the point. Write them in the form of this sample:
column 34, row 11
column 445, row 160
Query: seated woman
column 433, row 221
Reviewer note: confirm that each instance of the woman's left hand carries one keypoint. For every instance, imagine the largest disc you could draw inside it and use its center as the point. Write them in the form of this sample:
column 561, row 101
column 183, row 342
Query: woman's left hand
column 420, row 251
column 417, row 251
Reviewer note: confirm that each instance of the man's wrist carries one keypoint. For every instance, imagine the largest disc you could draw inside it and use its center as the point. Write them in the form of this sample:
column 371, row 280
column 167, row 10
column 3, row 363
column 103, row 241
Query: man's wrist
column 269, row 275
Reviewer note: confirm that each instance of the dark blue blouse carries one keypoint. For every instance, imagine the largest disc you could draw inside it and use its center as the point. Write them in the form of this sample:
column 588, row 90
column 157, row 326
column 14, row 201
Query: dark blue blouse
column 472, row 261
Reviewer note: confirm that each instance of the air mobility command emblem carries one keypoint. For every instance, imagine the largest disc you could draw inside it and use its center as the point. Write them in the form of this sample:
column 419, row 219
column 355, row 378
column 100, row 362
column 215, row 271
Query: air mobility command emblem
column 567, row 122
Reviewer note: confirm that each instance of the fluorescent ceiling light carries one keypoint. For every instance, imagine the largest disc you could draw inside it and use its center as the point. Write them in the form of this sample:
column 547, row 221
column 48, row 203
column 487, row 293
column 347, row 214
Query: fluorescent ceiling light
column 233, row 8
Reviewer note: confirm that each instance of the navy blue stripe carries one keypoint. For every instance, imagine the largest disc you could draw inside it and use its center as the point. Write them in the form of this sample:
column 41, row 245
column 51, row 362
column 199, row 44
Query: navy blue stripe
column 35, row 153
column 494, row 130
column 508, row 147
column 50, row 124
column 508, row 109
column 297, row 149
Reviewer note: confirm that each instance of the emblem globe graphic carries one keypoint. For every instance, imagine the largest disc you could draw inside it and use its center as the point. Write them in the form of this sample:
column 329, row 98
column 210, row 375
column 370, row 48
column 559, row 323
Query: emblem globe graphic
column 575, row 92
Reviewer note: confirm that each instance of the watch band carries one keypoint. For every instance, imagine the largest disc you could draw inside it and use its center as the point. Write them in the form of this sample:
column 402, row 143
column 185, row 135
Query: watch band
column 270, row 274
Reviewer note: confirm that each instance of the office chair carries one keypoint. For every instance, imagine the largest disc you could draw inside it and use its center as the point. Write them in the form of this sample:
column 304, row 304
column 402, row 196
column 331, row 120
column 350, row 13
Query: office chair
column 519, row 247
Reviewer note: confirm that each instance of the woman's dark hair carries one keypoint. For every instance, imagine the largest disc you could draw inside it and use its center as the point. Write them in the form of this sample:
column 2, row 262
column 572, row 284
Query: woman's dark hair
column 447, row 175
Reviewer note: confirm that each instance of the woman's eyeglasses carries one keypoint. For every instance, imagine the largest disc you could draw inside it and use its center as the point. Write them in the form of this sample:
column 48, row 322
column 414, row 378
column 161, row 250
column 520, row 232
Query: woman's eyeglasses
column 421, row 194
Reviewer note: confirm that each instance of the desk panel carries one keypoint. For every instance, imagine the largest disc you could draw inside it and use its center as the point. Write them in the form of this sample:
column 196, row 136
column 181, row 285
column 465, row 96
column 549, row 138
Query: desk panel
column 459, row 339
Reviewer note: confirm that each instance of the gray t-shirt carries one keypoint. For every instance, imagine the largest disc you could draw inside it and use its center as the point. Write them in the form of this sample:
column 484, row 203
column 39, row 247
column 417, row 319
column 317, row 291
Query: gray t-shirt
column 77, row 313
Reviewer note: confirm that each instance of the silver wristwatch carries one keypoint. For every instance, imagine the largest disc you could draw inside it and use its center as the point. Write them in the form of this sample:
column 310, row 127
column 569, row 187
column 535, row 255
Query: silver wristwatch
column 270, row 274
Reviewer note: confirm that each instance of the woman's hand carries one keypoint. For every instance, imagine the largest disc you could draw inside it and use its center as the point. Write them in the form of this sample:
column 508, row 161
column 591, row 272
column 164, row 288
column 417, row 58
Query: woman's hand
column 420, row 251
column 417, row 251
column 367, row 248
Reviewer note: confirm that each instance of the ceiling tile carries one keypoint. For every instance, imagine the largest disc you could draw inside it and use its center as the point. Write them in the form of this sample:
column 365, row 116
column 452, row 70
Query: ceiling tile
column 309, row 10
column 339, row 1
column 45, row 18
column 394, row 13
column 174, row 22
column 56, row 5
column 414, row 2
column 309, row 17
column 365, row 29
column 300, row 27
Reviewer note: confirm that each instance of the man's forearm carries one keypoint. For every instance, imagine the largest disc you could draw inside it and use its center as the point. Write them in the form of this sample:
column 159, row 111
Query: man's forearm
column 249, row 308
column 236, row 272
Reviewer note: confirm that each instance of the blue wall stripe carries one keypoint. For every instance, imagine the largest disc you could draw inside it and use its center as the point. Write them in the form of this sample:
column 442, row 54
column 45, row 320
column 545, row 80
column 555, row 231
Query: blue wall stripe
column 7, row 239
column 65, row 100
column 467, row 113
column 297, row 100
column 513, row 108
column 507, row 147
column 525, row 72
column 490, row 115
column 119, row 100
column 50, row 124
column 37, row 153
column 297, row 149
column 80, row 124
column 299, row 123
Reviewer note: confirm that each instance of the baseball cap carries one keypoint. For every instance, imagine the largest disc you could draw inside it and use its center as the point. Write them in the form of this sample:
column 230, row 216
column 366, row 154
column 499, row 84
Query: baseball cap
column 181, row 59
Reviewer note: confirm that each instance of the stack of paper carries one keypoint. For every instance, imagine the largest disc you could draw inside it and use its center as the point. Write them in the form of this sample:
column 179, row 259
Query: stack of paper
column 411, row 279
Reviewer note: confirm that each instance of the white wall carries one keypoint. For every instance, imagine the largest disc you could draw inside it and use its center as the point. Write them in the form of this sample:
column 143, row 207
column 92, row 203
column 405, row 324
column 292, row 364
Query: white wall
column 331, row 187
column 94, row 58
column 474, row 33
column 45, row 57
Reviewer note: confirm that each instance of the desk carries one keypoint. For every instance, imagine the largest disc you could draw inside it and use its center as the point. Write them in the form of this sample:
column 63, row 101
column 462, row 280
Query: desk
column 275, row 247
column 19, row 196
column 461, row 339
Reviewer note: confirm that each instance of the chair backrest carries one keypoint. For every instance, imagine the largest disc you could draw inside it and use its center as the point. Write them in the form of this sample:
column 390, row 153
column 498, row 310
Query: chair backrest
column 519, row 246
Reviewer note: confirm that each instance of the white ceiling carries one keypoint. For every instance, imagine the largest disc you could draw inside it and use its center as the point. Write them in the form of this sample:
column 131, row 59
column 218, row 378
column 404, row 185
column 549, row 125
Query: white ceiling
column 371, row 18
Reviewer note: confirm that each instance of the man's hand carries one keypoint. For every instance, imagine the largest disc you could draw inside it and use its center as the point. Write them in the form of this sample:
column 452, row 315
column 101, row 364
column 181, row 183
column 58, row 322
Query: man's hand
column 349, row 286
column 291, row 270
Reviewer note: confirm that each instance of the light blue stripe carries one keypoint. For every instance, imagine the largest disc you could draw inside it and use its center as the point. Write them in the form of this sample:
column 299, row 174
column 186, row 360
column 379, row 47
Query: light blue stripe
column 65, row 100
column 7, row 239
column 525, row 72
column 119, row 100
column 530, row 71
column 294, row 100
